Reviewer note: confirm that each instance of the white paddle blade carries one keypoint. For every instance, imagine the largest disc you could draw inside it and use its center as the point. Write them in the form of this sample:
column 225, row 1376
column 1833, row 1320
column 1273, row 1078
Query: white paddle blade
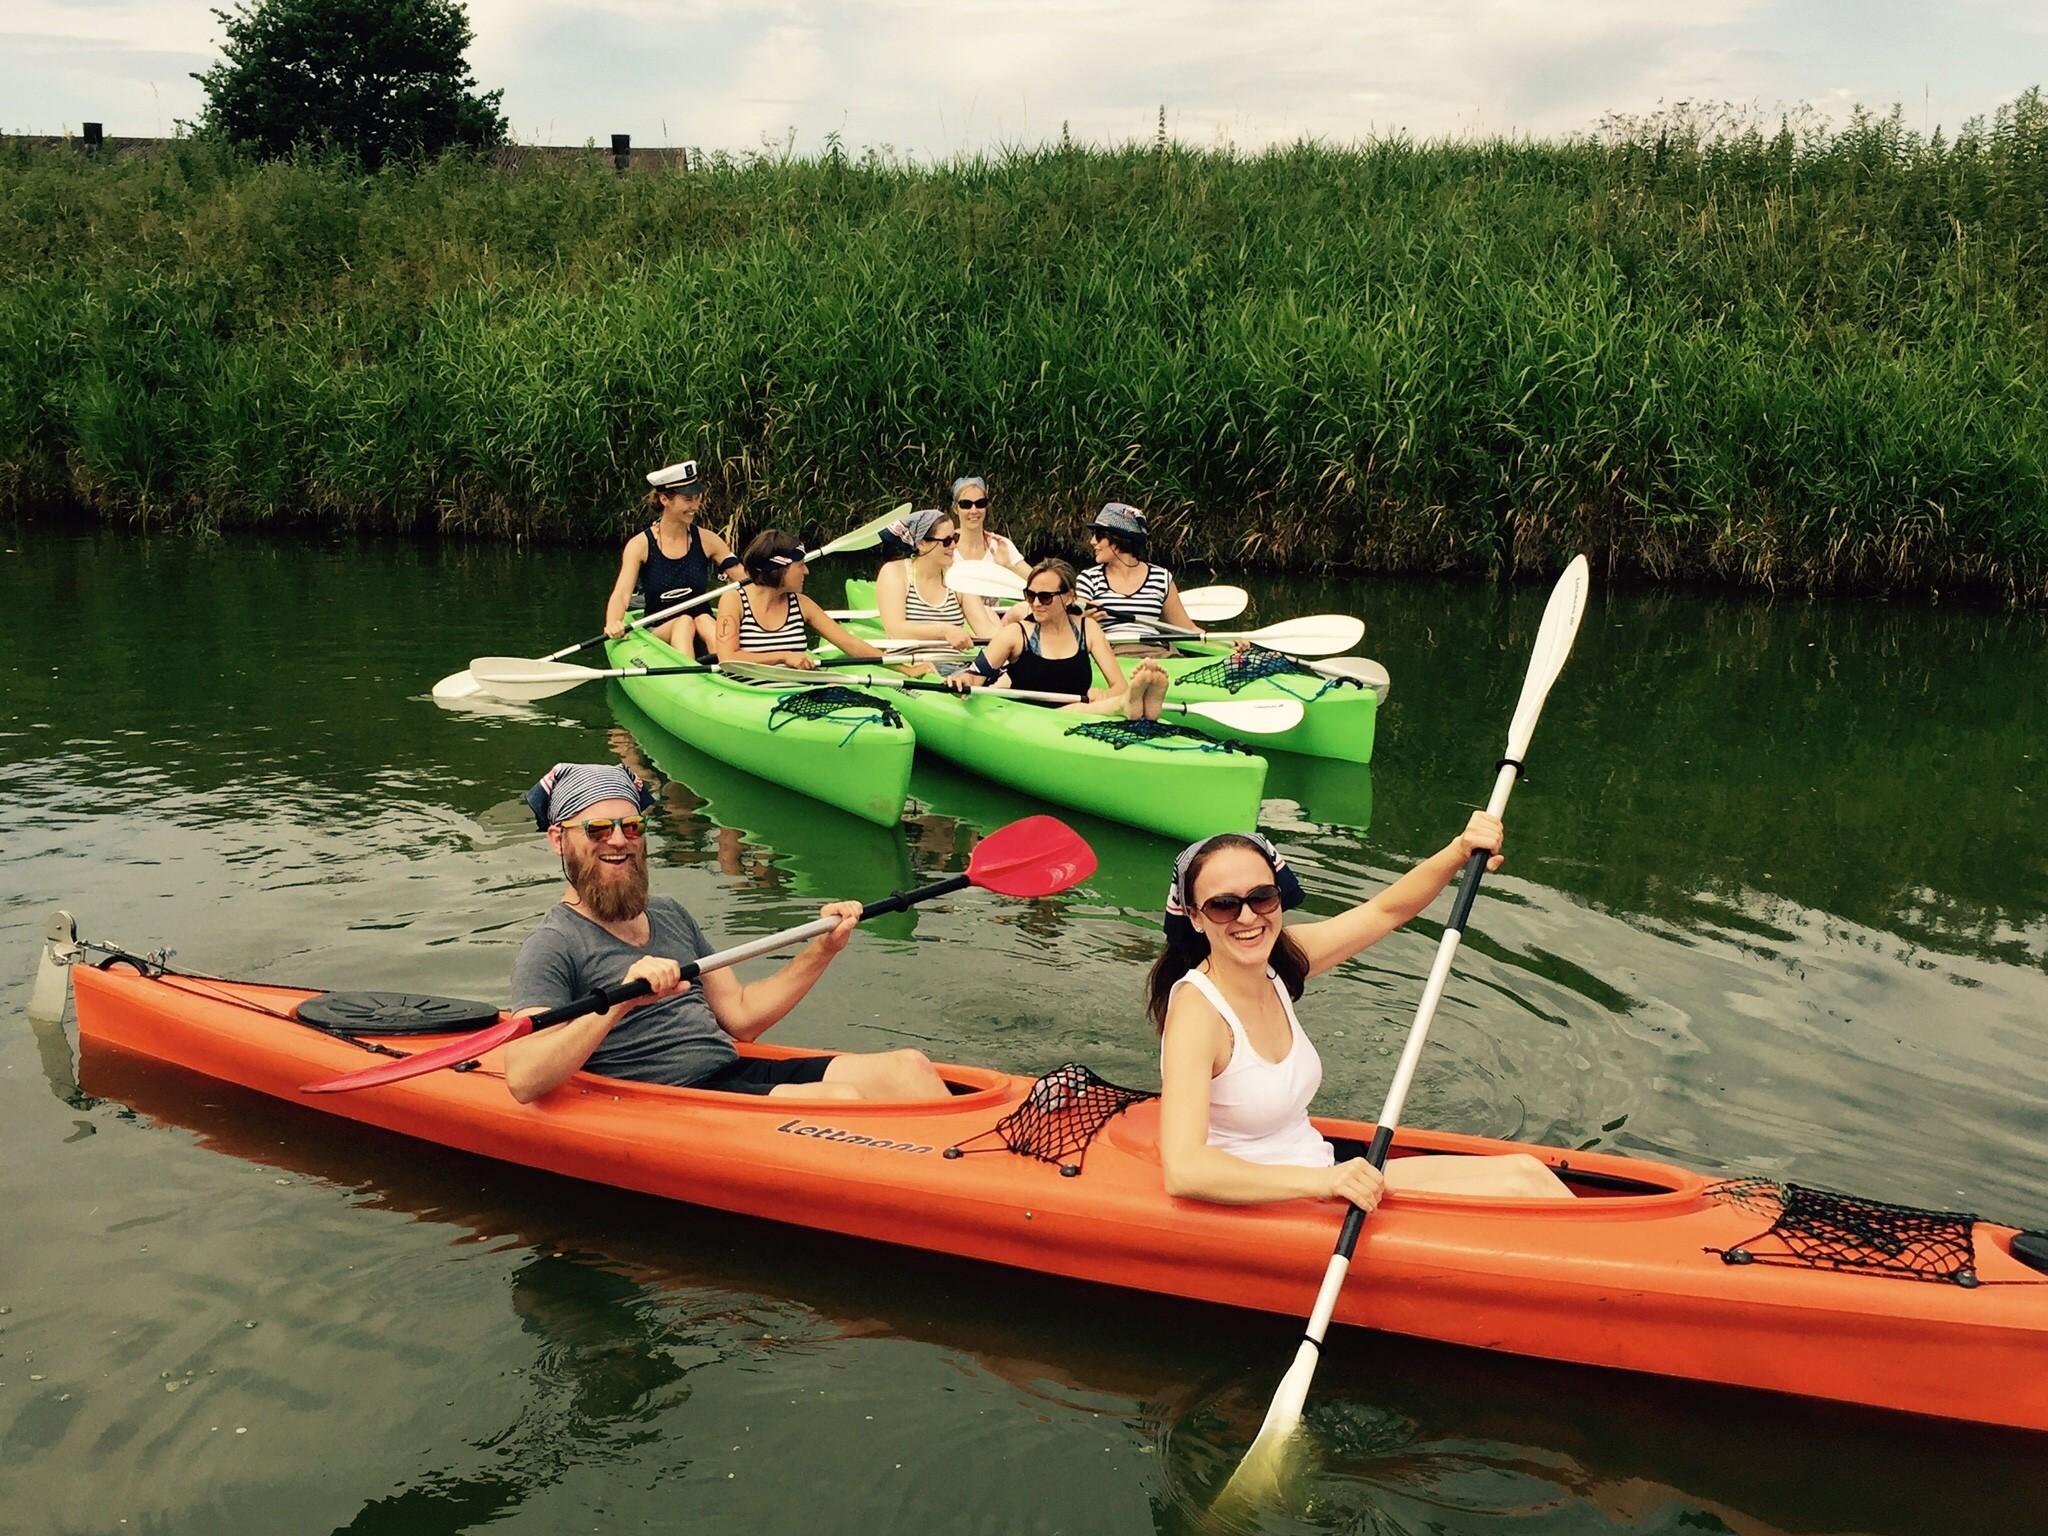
column 1561, row 616
column 53, row 970
column 1262, row 1473
column 768, row 672
column 844, row 615
column 1362, row 670
column 1255, row 717
column 984, row 580
column 866, row 536
column 1319, row 634
column 1215, row 605
column 456, row 685
column 516, row 677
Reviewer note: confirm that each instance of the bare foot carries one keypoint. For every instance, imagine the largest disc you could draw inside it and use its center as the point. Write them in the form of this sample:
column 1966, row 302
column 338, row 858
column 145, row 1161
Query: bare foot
column 1147, row 691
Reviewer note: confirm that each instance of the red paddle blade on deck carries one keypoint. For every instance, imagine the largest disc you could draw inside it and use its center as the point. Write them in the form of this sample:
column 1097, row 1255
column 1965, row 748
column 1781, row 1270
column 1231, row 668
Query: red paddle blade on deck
column 1038, row 856
column 454, row 1053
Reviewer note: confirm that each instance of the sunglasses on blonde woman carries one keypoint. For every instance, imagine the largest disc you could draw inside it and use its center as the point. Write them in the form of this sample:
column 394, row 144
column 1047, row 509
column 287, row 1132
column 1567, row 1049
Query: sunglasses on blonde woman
column 1262, row 899
column 971, row 501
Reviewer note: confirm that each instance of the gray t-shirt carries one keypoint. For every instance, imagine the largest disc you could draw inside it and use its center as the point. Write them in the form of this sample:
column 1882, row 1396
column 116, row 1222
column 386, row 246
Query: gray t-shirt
column 675, row 1041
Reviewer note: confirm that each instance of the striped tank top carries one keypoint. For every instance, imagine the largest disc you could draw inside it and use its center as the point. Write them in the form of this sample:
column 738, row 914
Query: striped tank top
column 791, row 636
column 918, row 611
column 1148, row 602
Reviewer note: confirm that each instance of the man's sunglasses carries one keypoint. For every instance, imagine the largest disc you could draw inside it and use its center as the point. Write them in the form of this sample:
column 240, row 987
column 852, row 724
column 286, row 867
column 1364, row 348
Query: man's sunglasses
column 1262, row 899
column 599, row 828
column 971, row 501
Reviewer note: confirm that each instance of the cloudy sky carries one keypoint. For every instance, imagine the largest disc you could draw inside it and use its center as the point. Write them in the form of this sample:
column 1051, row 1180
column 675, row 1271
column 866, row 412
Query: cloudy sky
column 933, row 79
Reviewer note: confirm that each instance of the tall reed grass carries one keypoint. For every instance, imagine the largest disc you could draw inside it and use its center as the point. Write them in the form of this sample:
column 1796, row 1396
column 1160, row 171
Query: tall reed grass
column 1796, row 355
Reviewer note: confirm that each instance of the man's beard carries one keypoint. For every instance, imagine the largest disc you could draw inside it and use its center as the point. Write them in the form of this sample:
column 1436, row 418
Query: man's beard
column 611, row 893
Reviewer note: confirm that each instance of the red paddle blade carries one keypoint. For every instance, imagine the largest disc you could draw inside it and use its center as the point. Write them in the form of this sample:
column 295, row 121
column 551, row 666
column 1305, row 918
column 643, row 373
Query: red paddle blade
column 1038, row 856
column 468, row 1048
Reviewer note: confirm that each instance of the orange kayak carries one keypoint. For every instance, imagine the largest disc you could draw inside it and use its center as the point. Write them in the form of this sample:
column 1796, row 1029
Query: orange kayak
column 1649, row 1268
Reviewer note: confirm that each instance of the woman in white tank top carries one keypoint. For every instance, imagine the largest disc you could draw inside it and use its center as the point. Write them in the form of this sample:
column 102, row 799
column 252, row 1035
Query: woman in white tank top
column 1236, row 1071
column 979, row 544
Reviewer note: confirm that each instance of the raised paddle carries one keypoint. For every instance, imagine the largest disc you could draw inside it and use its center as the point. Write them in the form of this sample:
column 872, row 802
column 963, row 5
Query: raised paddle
column 1256, row 717
column 1038, row 856
column 514, row 677
column 1259, row 1472
column 463, row 684
column 1206, row 605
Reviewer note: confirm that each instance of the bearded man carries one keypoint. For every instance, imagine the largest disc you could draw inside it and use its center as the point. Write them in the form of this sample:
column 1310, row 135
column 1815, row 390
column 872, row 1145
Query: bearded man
column 606, row 930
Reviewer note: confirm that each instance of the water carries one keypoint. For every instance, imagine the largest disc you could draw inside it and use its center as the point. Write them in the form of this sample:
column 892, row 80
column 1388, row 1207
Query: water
column 1776, row 903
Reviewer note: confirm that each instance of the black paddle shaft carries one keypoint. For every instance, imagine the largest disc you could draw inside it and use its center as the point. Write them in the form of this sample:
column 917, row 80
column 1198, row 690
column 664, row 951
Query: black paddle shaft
column 903, row 901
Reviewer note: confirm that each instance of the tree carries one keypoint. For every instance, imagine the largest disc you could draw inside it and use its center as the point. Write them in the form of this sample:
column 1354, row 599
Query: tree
column 377, row 78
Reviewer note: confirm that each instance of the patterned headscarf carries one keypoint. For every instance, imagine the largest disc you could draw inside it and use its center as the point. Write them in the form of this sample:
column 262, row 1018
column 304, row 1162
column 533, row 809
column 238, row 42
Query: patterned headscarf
column 568, row 788
column 906, row 533
column 1180, row 896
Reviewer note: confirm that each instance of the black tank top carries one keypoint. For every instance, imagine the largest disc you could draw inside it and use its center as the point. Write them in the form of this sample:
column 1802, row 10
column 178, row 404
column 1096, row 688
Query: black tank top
column 665, row 582
column 1044, row 674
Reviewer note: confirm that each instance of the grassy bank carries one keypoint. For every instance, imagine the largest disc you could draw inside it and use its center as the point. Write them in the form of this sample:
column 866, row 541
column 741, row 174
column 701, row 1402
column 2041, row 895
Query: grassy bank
column 1808, row 359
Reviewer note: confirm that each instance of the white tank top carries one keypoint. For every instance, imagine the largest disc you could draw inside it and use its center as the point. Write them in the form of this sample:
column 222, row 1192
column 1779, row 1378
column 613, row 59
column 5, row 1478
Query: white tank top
column 1258, row 1109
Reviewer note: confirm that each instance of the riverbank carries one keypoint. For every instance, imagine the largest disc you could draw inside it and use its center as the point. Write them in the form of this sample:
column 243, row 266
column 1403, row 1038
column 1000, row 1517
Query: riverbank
column 1806, row 360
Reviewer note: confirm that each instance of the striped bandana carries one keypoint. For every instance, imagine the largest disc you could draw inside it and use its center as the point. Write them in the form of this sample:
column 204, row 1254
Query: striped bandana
column 568, row 788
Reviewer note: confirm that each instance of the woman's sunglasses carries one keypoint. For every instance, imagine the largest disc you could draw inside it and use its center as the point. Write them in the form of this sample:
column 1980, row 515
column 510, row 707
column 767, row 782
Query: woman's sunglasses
column 971, row 501
column 1041, row 595
column 1262, row 899
column 947, row 542
column 599, row 828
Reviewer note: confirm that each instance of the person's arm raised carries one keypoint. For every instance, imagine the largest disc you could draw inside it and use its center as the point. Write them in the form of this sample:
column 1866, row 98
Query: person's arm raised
column 1336, row 939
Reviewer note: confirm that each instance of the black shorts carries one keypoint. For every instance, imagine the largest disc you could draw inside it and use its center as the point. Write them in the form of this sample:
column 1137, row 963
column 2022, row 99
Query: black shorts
column 1346, row 1148
column 757, row 1074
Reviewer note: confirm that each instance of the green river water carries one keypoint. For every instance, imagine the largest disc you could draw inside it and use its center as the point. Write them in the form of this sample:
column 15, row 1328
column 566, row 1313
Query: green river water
column 1776, row 903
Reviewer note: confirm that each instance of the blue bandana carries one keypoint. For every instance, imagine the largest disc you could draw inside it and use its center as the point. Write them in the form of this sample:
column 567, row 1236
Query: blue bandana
column 1180, row 896
column 568, row 788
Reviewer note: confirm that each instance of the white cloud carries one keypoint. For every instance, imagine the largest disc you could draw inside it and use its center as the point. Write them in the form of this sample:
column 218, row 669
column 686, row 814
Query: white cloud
column 938, row 78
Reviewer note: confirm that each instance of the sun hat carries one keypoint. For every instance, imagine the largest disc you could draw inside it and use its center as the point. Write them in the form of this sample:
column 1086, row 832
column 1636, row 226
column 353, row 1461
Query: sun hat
column 1119, row 517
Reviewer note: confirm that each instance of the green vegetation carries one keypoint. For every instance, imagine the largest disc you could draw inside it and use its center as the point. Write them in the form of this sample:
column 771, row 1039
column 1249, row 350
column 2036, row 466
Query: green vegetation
column 375, row 79
column 1809, row 357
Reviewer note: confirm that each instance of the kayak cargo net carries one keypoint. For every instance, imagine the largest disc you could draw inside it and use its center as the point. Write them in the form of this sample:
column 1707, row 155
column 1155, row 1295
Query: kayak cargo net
column 1818, row 1229
column 1253, row 664
column 848, row 706
column 1064, row 1111
column 1152, row 733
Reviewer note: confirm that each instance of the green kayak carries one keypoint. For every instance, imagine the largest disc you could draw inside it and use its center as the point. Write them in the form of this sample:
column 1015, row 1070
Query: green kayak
column 1161, row 777
column 1338, row 715
column 845, row 748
